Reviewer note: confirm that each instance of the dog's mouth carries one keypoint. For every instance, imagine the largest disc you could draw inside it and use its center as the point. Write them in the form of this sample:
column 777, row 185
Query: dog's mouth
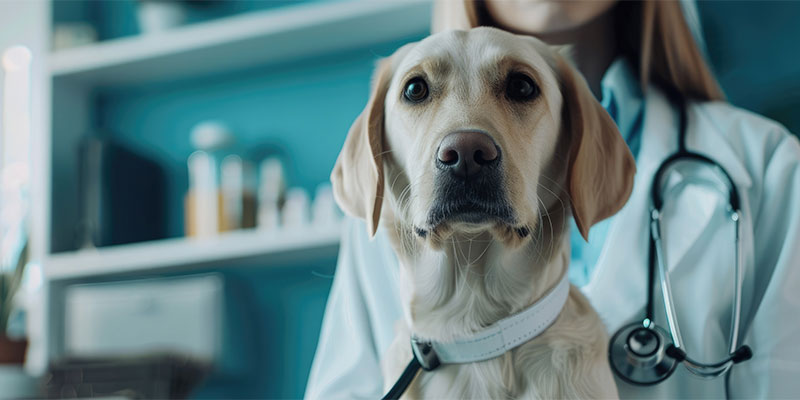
column 469, row 216
column 469, row 211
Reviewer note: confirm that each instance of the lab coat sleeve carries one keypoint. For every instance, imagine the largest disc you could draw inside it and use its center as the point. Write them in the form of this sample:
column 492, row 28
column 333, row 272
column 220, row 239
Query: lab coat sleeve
column 346, row 364
column 774, row 332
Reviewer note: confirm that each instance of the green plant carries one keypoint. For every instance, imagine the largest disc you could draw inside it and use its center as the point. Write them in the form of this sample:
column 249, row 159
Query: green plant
column 10, row 282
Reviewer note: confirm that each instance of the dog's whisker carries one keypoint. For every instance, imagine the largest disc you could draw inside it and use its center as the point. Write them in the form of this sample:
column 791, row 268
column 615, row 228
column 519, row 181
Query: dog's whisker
column 384, row 153
column 559, row 187
column 549, row 212
column 552, row 234
column 469, row 250
column 486, row 248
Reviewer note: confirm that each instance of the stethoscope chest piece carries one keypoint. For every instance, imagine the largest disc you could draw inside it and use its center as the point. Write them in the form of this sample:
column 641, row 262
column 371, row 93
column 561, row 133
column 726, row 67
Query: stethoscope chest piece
column 637, row 354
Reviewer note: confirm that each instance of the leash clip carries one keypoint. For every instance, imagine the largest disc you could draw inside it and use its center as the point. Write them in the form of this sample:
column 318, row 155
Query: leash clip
column 424, row 353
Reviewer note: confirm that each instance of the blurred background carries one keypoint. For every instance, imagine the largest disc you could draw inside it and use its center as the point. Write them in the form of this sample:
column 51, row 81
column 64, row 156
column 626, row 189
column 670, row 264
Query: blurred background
column 166, row 223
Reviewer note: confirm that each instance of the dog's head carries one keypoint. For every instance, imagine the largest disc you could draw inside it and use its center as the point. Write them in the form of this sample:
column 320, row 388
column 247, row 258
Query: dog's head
column 481, row 130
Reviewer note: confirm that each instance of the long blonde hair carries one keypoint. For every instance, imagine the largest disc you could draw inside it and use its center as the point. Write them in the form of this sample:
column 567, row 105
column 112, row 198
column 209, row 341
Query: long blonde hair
column 654, row 37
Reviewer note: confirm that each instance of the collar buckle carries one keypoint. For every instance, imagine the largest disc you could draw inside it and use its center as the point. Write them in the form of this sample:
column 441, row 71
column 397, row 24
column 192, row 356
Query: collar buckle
column 425, row 354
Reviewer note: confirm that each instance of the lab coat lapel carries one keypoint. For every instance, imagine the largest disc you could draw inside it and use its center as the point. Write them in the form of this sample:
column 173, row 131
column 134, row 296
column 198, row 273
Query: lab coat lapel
column 618, row 287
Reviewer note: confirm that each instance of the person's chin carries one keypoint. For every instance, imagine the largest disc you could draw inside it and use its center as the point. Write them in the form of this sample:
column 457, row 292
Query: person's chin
column 545, row 17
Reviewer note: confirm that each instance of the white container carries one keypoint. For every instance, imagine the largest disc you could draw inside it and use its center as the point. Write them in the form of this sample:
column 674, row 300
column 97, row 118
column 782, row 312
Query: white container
column 324, row 211
column 203, row 193
column 159, row 16
column 270, row 194
column 211, row 136
column 296, row 208
column 232, row 183
column 73, row 34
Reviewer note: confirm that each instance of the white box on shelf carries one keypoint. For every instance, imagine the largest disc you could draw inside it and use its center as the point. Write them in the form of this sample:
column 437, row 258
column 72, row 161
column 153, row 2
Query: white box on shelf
column 180, row 315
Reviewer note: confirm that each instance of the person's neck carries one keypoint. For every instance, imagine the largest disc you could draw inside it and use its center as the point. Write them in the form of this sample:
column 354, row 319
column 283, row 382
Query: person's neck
column 593, row 47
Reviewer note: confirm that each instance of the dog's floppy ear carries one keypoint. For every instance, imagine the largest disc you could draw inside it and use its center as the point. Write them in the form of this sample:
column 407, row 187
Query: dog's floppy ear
column 357, row 177
column 601, row 166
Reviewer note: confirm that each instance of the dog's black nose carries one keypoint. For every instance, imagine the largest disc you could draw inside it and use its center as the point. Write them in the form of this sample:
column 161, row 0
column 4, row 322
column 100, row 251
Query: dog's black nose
column 465, row 153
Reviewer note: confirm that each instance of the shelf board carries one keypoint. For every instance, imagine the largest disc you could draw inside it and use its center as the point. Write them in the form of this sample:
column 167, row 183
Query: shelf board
column 239, row 42
column 264, row 247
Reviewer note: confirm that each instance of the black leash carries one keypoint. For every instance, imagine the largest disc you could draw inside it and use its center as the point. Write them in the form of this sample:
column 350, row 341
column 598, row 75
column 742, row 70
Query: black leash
column 405, row 379
column 424, row 357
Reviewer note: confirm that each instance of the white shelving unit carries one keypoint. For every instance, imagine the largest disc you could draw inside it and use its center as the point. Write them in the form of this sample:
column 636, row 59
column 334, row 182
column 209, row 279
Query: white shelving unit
column 64, row 100
column 264, row 247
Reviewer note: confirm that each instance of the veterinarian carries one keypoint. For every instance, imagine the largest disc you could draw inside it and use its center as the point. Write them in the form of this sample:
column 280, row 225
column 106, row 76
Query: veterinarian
column 632, row 54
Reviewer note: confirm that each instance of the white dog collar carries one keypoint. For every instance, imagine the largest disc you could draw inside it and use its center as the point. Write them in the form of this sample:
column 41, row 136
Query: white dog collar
column 498, row 338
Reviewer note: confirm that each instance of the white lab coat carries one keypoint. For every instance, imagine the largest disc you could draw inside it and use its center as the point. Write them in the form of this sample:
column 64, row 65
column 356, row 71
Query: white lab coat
column 764, row 161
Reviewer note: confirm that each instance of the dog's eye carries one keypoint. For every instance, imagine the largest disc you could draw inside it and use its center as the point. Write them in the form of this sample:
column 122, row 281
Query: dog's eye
column 520, row 87
column 416, row 90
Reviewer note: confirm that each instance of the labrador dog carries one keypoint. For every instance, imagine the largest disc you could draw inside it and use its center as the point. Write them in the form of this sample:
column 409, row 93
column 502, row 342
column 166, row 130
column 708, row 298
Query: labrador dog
column 474, row 150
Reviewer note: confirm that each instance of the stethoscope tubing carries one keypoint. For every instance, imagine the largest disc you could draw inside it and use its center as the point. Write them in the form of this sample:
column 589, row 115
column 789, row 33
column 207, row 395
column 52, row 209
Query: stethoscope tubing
column 684, row 155
column 658, row 266
column 663, row 278
column 739, row 281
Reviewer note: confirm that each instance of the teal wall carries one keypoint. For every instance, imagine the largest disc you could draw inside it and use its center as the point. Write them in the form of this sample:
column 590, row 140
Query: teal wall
column 274, row 319
column 753, row 47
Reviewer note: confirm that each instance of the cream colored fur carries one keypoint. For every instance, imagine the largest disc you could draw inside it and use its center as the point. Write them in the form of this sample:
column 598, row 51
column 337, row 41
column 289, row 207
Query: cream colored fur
column 562, row 156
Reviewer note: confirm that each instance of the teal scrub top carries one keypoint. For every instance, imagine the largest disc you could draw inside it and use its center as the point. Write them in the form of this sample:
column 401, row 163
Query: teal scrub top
column 624, row 101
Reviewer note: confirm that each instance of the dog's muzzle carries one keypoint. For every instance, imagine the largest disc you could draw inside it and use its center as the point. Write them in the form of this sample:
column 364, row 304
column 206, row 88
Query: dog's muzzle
column 469, row 181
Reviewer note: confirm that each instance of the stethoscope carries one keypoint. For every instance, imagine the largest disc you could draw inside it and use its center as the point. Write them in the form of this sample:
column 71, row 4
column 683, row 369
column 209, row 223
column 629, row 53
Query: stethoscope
column 643, row 353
